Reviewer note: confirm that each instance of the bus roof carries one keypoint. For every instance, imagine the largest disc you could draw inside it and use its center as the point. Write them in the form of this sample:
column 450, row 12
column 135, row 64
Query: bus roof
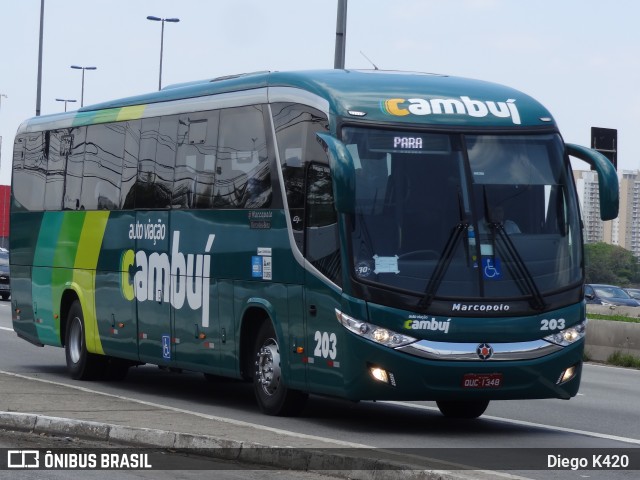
column 366, row 95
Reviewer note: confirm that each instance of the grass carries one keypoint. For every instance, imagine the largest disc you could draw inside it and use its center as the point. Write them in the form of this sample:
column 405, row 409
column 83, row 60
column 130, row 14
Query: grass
column 617, row 318
column 624, row 360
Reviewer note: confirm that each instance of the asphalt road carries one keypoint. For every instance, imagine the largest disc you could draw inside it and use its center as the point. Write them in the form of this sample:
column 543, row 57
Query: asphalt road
column 604, row 415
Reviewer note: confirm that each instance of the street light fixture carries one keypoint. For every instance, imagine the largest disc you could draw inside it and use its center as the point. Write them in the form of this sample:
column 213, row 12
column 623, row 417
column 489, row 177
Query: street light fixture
column 76, row 67
column 65, row 100
column 158, row 19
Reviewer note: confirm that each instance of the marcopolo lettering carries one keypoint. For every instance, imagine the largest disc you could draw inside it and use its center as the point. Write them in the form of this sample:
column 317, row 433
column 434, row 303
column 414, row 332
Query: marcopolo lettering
column 424, row 323
column 479, row 307
column 175, row 278
column 462, row 105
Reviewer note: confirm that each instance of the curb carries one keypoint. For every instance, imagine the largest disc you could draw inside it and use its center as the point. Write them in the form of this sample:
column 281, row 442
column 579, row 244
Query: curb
column 309, row 460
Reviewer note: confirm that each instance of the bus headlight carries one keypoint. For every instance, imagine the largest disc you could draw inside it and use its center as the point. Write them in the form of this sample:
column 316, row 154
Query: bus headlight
column 380, row 335
column 569, row 335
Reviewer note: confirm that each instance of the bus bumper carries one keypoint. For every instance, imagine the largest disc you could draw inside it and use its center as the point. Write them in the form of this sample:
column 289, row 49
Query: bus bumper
column 407, row 377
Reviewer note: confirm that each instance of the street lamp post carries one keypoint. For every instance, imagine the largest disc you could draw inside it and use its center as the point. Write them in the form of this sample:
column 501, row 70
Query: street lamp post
column 2, row 95
column 65, row 100
column 158, row 19
column 76, row 67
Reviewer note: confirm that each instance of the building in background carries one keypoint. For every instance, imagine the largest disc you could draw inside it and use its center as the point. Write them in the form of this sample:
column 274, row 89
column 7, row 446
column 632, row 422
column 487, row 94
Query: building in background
column 629, row 216
column 588, row 194
column 624, row 230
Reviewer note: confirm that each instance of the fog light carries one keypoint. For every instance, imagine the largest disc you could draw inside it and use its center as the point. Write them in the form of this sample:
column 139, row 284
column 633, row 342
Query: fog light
column 379, row 374
column 567, row 375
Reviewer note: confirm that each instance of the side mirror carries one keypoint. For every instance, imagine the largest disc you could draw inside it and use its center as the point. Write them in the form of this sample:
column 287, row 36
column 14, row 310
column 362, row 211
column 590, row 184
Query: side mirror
column 589, row 296
column 342, row 172
column 607, row 179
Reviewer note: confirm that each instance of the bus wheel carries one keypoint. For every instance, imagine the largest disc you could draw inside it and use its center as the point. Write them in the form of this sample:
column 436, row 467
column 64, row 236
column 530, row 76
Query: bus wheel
column 464, row 410
column 273, row 396
column 81, row 364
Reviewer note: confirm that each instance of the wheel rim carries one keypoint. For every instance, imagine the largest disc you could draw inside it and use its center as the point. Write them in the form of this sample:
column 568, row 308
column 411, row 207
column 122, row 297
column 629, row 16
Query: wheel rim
column 268, row 367
column 75, row 340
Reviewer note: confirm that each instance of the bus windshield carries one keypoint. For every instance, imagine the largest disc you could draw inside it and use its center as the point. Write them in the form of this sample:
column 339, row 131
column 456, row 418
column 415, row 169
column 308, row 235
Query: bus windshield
column 479, row 216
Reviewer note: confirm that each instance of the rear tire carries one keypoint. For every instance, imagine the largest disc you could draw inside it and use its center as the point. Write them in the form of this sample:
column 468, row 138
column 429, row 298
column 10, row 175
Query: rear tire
column 272, row 394
column 81, row 364
column 463, row 410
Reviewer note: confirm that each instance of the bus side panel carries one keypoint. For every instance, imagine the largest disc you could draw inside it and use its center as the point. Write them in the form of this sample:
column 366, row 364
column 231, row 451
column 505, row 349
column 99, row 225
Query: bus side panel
column 228, row 362
column 115, row 301
column 152, row 288
column 194, row 291
column 21, row 300
column 116, row 317
column 53, row 262
column 297, row 331
column 326, row 355
column 22, row 249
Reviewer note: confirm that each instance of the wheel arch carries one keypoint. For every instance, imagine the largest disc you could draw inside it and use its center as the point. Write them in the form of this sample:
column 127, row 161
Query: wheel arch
column 257, row 311
column 72, row 292
column 68, row 297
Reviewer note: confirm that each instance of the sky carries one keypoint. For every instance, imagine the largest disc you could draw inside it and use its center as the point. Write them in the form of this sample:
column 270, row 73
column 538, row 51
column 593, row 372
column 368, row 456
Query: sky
column 579, row 58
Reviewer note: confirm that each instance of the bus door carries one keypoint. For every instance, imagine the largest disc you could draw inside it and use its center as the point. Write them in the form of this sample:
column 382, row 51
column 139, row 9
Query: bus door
column 152, row 284
column 322, row 297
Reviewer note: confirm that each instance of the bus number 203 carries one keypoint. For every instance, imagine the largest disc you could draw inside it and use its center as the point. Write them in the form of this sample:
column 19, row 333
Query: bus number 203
column 325, row 345
column 552, row 324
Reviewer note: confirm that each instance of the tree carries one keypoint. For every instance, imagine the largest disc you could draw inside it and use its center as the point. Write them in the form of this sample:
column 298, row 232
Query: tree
column 611, row 264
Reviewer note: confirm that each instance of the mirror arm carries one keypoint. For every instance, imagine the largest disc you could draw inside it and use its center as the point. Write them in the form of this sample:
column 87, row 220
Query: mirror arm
column 607, row 178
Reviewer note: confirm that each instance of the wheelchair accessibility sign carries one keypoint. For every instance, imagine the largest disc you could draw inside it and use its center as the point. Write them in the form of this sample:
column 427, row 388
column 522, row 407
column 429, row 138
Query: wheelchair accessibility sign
column 491, row 269
column 166, row 347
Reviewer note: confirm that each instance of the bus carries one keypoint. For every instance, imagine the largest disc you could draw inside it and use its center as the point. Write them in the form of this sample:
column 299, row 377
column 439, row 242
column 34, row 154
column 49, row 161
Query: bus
column 365, row 235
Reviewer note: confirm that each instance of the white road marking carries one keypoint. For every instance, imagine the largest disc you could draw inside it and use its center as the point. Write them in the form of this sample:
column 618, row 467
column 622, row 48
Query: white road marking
column 532, row 424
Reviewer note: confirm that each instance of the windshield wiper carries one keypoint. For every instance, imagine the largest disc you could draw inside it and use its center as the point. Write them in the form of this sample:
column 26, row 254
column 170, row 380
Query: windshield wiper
column 443, row 265
column 518, row 268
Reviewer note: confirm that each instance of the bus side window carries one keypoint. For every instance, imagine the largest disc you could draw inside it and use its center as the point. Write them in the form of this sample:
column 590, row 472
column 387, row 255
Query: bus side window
column 296, row 127
column 74, row 170
column 196, row 159
column 130, row 163
column 103, row 167
column 243, row 174
column 18, row 167
column 29, row 182
column 59, row 149
column 165, row 160
column 322, row 245
column 156, row 162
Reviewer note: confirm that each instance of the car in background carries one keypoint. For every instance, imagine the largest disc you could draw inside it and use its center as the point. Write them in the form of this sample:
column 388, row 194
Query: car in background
column 5, row 284
column 600, row 294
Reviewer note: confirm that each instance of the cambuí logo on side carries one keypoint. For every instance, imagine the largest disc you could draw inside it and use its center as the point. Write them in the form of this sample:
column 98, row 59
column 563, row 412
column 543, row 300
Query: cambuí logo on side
column 177, row 277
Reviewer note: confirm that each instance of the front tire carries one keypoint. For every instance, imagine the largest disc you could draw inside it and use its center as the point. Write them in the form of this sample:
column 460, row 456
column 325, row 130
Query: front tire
column 81, row 364
column 272, row 395
column 463, row 410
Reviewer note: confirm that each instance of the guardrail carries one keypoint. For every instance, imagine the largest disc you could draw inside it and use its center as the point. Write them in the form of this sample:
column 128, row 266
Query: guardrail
column 605, row 337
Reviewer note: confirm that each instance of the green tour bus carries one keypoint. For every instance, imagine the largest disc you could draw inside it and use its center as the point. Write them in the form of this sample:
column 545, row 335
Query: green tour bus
column 366, row 235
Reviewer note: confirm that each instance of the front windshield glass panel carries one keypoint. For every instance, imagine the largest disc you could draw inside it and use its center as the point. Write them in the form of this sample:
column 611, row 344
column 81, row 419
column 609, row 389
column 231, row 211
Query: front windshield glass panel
column 449, row 215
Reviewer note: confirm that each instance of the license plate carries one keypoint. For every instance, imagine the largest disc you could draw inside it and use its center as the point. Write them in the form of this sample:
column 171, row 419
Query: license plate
column 482, row 380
